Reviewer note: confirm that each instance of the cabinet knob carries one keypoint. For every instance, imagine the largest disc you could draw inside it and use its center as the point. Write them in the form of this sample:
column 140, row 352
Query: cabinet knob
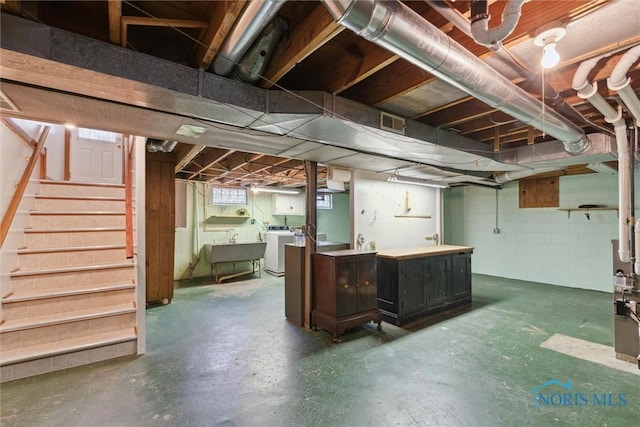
column 345, row 286
column 366, row 283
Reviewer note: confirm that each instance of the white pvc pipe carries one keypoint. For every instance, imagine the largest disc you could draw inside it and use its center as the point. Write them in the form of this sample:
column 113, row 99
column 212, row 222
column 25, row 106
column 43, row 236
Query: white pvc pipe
column 619, row 82
column 589, row 92
column 624, row 165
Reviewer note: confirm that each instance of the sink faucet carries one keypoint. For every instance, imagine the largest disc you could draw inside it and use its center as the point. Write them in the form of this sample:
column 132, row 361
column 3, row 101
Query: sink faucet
column 233, row 238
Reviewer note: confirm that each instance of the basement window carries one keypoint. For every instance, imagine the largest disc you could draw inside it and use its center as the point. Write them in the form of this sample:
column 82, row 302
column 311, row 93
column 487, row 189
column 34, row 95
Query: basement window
column 324, row 201
column 228, row 196
column 99, row 135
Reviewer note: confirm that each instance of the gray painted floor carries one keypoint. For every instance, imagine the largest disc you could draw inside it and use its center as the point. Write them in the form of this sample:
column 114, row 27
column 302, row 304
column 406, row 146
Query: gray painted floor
column 223, row 355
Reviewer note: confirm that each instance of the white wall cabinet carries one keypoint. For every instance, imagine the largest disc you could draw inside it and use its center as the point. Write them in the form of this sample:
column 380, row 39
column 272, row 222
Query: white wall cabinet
column 287, row 204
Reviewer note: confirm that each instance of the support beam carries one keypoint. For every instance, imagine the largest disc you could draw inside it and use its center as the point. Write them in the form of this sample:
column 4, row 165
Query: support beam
column 115, row 14
column 311, row 170
column 308, row 36
column 221, row 21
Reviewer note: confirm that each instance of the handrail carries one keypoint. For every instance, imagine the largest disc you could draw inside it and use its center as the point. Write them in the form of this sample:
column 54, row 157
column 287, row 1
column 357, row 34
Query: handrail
column 22, row 185
column 17, row 130
column 128, row 194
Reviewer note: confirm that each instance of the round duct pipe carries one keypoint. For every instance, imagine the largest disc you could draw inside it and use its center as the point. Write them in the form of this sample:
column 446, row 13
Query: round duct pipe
column 164, row 146
column 397, row 28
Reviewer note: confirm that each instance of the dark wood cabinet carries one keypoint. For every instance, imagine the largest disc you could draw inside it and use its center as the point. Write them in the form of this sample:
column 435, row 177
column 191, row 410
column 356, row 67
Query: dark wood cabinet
column 344, row 290
column 418, row 282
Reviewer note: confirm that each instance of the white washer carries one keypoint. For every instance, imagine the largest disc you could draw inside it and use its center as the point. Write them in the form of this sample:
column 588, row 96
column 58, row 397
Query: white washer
column 277, row 237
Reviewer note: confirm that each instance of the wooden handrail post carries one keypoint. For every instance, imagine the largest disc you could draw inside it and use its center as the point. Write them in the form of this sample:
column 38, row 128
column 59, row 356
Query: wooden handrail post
column 22, row 186
column 128, row 195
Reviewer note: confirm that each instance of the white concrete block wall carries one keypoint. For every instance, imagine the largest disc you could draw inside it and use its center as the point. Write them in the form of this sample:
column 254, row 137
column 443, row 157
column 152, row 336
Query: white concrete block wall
column 538, row 244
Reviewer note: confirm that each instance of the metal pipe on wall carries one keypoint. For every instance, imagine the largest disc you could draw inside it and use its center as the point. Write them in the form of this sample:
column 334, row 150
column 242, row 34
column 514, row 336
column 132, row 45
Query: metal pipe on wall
column 399, row 29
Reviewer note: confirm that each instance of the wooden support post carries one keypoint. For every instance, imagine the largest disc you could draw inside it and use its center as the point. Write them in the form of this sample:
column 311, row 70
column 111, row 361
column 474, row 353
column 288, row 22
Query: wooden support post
column 311, row 170
column 67, row 154
column 128, row 195
column 496, row 139
column 531, row 135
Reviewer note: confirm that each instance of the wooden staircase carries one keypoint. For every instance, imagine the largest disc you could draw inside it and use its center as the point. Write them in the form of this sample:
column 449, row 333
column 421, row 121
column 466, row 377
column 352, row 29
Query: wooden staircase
column 73, row 297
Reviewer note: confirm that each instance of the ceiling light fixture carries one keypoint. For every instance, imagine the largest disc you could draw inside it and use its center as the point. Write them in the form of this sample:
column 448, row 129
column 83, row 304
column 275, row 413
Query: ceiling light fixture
column 602, row 168
column 415, row 181
column 547, row 37
column 256, row 189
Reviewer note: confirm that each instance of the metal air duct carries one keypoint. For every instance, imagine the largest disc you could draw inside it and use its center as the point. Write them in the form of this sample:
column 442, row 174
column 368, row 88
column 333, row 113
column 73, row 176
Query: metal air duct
column 400, row 30
column 257, row 58
column 256, row 16
column 164, row 146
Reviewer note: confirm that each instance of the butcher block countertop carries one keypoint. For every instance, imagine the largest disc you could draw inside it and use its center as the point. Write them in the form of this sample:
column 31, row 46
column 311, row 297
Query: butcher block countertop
column 422, row 251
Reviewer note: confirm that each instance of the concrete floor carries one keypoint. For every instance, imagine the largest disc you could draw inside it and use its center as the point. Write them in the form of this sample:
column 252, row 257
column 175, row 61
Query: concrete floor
column 224, row 355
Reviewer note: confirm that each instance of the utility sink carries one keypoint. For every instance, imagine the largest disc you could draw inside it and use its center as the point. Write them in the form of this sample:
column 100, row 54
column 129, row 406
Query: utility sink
column 234, row 252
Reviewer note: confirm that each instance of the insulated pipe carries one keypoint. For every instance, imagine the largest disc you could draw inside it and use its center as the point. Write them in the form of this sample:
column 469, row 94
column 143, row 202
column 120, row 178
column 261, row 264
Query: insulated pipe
column 619, row 82
column 510, row 17
column 589, row 92
column 255, row 17
column 400, row 30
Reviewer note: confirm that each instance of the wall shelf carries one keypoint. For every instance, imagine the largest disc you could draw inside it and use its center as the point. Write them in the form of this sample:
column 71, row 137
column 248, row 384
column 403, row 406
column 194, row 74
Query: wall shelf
column 586, row 210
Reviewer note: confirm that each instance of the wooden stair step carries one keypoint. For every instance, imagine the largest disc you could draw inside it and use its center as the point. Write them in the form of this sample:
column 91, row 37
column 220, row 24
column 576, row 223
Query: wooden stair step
column 64, row 292
column 76, row 213
column 24, row 273
column 66, row 346
column 25, row 251
column 60, row 318
column 79, row 184
column 70, row 230
column 101, row 198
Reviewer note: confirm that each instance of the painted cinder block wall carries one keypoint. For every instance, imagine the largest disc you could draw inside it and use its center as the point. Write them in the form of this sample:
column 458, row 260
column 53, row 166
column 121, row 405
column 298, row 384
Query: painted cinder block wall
column 538, row 244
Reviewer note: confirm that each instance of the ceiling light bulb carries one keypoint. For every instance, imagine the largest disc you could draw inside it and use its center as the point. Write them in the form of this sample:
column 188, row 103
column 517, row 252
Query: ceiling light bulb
column 550, row 56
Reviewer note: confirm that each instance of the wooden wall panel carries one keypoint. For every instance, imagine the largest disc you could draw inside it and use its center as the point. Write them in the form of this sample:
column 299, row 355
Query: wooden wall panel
column 160, row 226
column 540, row 192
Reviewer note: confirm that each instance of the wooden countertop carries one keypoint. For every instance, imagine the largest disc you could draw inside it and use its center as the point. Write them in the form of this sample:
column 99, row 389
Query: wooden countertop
column 345, row 252
column 422, row 251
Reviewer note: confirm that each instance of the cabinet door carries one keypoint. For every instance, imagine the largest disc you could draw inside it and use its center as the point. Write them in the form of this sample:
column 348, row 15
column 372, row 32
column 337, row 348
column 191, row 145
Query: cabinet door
column 366, row 280
column 460, row 276
column 297, row 205
column 346, row 299
column 437, row 280
column 413, row 291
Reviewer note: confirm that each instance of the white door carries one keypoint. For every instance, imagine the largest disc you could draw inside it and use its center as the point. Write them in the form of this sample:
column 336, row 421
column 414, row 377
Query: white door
column 96, row 156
